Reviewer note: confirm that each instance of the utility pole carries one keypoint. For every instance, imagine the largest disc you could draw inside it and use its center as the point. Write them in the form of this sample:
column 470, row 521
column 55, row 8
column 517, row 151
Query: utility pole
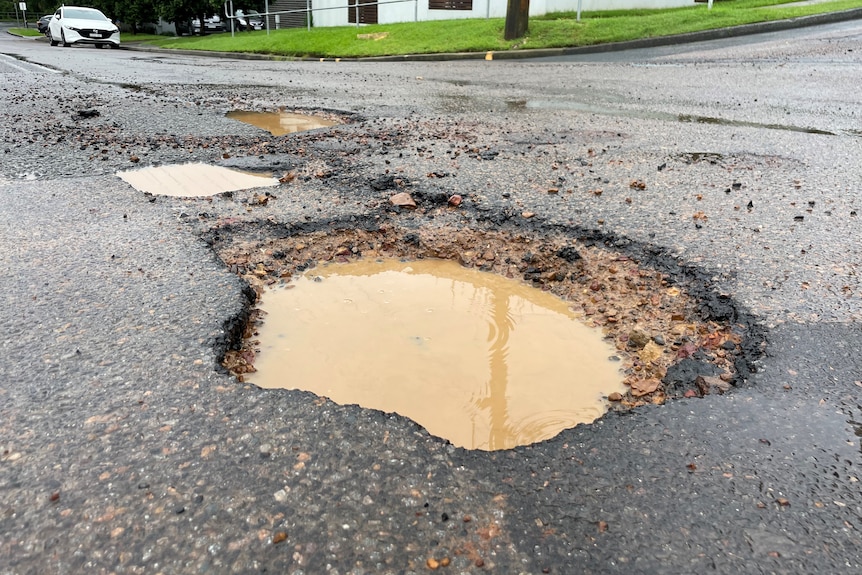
column 517, row 18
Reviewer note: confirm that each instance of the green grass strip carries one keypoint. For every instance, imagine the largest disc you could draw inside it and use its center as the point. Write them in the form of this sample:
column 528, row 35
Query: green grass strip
column 558, row 30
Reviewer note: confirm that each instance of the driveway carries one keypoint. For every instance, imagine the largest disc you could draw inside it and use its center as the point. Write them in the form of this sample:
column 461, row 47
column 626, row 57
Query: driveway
column 125, row 447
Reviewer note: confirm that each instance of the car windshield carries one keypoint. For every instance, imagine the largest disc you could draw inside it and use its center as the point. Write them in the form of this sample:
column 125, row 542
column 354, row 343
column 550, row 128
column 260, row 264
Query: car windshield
column 83, row 14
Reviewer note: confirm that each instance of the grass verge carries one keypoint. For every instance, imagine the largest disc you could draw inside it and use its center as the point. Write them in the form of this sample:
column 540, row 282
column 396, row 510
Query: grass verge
column 26, row 32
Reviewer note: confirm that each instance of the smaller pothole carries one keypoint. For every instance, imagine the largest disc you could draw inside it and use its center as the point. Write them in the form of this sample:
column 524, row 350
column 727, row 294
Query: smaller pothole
column 193, row 180
column 282, row 123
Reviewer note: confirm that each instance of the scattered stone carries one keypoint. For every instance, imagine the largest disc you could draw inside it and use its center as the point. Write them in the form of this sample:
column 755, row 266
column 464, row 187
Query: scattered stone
column 650, row 352
column 569, row 253
column 615, row 396
column 403, row 200
column 709, row 384
column 638, row 339
column 643, row 387
column 455, row 201
column 432, row 564
column 527, row 215
column 279, row 537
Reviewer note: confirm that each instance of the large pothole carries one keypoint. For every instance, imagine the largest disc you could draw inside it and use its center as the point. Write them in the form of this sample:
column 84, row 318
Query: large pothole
column 656, row 328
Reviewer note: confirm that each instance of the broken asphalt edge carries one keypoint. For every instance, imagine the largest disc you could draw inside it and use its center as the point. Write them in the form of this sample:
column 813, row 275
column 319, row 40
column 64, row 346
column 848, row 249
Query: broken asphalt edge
column 656, row 41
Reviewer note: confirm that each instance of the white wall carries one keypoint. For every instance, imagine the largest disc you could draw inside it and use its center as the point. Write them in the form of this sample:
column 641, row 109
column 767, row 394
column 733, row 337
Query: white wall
column 594, row 5
column 407, row 11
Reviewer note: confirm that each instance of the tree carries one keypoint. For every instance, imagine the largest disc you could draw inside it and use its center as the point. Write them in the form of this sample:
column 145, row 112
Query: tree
column 133, row 14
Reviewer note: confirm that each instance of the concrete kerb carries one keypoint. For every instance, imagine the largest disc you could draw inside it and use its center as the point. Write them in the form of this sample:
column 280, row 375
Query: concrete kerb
column 716, row 34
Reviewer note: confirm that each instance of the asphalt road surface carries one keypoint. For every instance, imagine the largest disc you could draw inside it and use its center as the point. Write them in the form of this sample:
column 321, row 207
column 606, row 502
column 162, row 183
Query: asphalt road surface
column 125, row 449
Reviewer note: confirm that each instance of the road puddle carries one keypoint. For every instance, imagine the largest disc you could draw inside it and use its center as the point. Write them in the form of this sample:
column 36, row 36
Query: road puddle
column 592, row 108
column 193, row 180
column 484, row 361
column 281, row 123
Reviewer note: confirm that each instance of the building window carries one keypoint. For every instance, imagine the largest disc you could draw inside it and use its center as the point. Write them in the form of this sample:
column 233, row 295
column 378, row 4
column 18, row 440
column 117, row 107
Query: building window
column 450, row 4
column 367, row 14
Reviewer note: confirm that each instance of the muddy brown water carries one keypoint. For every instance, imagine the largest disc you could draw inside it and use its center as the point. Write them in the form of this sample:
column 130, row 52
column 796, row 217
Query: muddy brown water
column 481, row 360
column 281, row 123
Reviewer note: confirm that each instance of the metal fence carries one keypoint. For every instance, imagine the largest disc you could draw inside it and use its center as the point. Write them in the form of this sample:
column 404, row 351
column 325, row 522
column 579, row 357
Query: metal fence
column 231, row 16
column 19, row 19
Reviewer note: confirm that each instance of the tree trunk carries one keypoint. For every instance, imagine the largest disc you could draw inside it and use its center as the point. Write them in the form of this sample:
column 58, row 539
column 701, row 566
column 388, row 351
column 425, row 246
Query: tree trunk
column 517, row 18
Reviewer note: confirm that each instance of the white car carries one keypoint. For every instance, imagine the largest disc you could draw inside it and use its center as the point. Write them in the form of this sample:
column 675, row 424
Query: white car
column 77, row 25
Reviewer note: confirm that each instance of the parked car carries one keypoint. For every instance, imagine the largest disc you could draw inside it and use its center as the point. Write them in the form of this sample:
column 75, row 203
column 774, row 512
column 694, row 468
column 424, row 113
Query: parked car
column 211, row 24
column 42, row 23
column 249, row 20
column 255, row 20
column 77, row 25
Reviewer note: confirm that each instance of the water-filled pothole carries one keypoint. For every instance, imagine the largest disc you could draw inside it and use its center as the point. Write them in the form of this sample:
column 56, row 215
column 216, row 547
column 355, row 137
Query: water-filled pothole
column 484, row 361
column 193, row 180
column 281, row 123
column 665, row 346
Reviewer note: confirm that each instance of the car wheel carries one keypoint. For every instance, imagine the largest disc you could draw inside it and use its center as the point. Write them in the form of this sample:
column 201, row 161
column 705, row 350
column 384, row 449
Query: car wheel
column 114, row 46
column 100, row 46
column 51, row 40
column 63, row 37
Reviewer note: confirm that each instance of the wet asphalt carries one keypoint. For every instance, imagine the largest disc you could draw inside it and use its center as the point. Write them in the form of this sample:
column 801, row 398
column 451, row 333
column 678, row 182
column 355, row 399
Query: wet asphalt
column 125, row 449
